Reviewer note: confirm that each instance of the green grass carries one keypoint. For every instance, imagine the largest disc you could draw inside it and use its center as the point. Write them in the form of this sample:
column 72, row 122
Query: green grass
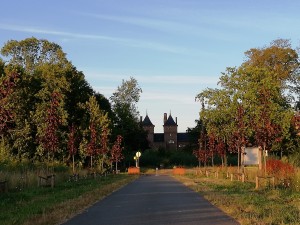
column 45, row 205
column 247, row 205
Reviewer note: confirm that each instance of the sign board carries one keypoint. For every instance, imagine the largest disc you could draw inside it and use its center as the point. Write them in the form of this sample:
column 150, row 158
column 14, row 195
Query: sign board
column 252, row 156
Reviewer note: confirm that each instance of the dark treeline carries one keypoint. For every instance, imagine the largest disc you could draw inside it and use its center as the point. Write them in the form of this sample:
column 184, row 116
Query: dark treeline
column 50, row 113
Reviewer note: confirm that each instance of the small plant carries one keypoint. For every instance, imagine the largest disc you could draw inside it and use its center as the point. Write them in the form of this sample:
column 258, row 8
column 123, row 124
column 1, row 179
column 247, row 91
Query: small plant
column 281, row 170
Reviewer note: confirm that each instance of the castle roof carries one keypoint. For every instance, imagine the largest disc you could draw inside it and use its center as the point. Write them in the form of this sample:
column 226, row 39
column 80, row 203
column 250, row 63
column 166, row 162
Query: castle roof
column 170, row 121
column 147, row 121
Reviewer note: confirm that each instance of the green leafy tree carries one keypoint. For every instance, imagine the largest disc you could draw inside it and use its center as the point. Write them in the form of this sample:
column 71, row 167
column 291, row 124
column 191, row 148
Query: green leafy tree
column 127, row 124
column 31, row 53
column 94, row 124
column 254, row 102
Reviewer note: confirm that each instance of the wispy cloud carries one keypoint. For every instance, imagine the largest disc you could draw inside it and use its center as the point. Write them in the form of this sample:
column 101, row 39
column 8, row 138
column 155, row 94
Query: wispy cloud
column 156, row 79
column 202, row 26
column 123, row 41
column 151, row 95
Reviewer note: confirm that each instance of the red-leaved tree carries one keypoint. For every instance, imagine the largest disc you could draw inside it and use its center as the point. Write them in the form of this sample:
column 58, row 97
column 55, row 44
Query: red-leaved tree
column 92, row 148
column 72, row 145
column 104, row 146
column 49, row 139
column 116, row 151
column 7, row 85
column 221, row 150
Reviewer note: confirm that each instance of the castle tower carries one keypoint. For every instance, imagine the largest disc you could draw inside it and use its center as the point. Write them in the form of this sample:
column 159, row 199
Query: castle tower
column 149, row 128
column 170, row 132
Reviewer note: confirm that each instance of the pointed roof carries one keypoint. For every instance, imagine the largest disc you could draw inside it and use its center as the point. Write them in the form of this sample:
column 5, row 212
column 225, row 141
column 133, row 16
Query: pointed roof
column 147, row 121
column 170, row 121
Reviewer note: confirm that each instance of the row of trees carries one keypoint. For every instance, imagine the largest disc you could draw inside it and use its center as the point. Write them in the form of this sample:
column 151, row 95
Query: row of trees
column 255, row 105
column 49, row 112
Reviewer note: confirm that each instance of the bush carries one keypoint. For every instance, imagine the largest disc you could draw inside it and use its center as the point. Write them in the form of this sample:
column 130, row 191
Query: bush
column 282, row 171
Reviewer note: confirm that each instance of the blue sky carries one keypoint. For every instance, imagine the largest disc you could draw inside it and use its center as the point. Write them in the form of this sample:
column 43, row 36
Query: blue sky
column 174, row 48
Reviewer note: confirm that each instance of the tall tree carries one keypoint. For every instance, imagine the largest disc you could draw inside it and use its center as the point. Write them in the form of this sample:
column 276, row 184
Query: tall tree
column 254, row 102
column 49, row 138
column 127, row 123
column 72, row 145
column 31, row 53
column 94, row 123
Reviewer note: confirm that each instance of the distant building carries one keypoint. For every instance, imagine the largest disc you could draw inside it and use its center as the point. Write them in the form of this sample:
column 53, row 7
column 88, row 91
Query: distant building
column 170, row 139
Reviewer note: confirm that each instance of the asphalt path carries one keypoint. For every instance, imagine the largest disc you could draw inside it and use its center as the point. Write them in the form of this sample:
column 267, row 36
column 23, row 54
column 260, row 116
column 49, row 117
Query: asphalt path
column 155, row 200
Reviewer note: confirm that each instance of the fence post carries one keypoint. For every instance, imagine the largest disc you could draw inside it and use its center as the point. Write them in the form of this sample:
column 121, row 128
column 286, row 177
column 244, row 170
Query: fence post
column 273, row 182
column 243, row 177
column 231, row 177
column 256, row 182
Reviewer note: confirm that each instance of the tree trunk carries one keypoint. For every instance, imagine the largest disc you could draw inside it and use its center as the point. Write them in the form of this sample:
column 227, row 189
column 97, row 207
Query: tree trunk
column 73, row 164
column 238, row 159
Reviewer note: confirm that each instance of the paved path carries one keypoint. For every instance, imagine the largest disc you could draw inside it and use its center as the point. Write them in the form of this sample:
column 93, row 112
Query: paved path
column 155, row 200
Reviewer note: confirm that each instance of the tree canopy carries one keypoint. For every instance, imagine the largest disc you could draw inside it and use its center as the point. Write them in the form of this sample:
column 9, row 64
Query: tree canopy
column 255, row 102
column 44, row 99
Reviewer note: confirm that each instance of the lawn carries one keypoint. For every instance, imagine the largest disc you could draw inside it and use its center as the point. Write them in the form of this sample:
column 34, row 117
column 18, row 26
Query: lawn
column 246, row 204
column 47, row 205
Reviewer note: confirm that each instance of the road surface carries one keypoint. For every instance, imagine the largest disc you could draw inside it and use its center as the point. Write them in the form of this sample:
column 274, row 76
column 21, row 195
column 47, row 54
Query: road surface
column 155, row 200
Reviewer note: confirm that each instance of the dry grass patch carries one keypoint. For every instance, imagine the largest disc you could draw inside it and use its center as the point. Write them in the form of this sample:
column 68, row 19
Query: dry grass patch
column 247, row 205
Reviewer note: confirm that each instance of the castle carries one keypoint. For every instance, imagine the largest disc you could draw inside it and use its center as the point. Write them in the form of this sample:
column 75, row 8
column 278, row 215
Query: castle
column 169, row 139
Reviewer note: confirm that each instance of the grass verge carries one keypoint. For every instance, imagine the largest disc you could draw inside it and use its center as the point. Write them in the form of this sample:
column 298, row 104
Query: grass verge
column 245, row 204
column 54, row 206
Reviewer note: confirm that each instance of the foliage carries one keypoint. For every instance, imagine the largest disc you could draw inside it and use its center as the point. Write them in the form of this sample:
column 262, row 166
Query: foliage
column 116, row 151
column 126, row 96
column 254, row 104
column 280, row 169
column 49, row 138
column 126, row 122
column 7, row 84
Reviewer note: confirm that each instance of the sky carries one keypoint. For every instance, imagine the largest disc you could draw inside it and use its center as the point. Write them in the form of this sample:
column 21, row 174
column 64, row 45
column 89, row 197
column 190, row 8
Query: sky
column 174, row 48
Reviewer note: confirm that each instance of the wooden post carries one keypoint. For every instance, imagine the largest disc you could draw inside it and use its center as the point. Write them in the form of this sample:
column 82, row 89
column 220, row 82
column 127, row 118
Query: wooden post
column 256, row 183
column 243, row 177
column 52, row 181
column 231, row 177
column 206, row 172
column 273, row 182
column 216, row 174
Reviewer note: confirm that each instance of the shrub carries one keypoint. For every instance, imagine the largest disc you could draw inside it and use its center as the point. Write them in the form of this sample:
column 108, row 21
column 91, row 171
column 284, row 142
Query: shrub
column 282, row 171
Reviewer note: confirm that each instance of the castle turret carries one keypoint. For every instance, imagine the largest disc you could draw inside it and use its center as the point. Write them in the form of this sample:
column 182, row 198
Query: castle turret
column 170, row 132
column 149, row 127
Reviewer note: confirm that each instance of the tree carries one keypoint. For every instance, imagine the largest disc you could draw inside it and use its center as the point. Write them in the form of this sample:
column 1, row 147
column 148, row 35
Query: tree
column 92, row 147
column 49, row 138
column 126, row 97
column 104, row 149
column 94, row 123
column 31, row 53
column 7, row 115
column 254, row 102
column 127, row 122
column 116, row 151
column 42, row 66
column 72, row 145
column 6, row 111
